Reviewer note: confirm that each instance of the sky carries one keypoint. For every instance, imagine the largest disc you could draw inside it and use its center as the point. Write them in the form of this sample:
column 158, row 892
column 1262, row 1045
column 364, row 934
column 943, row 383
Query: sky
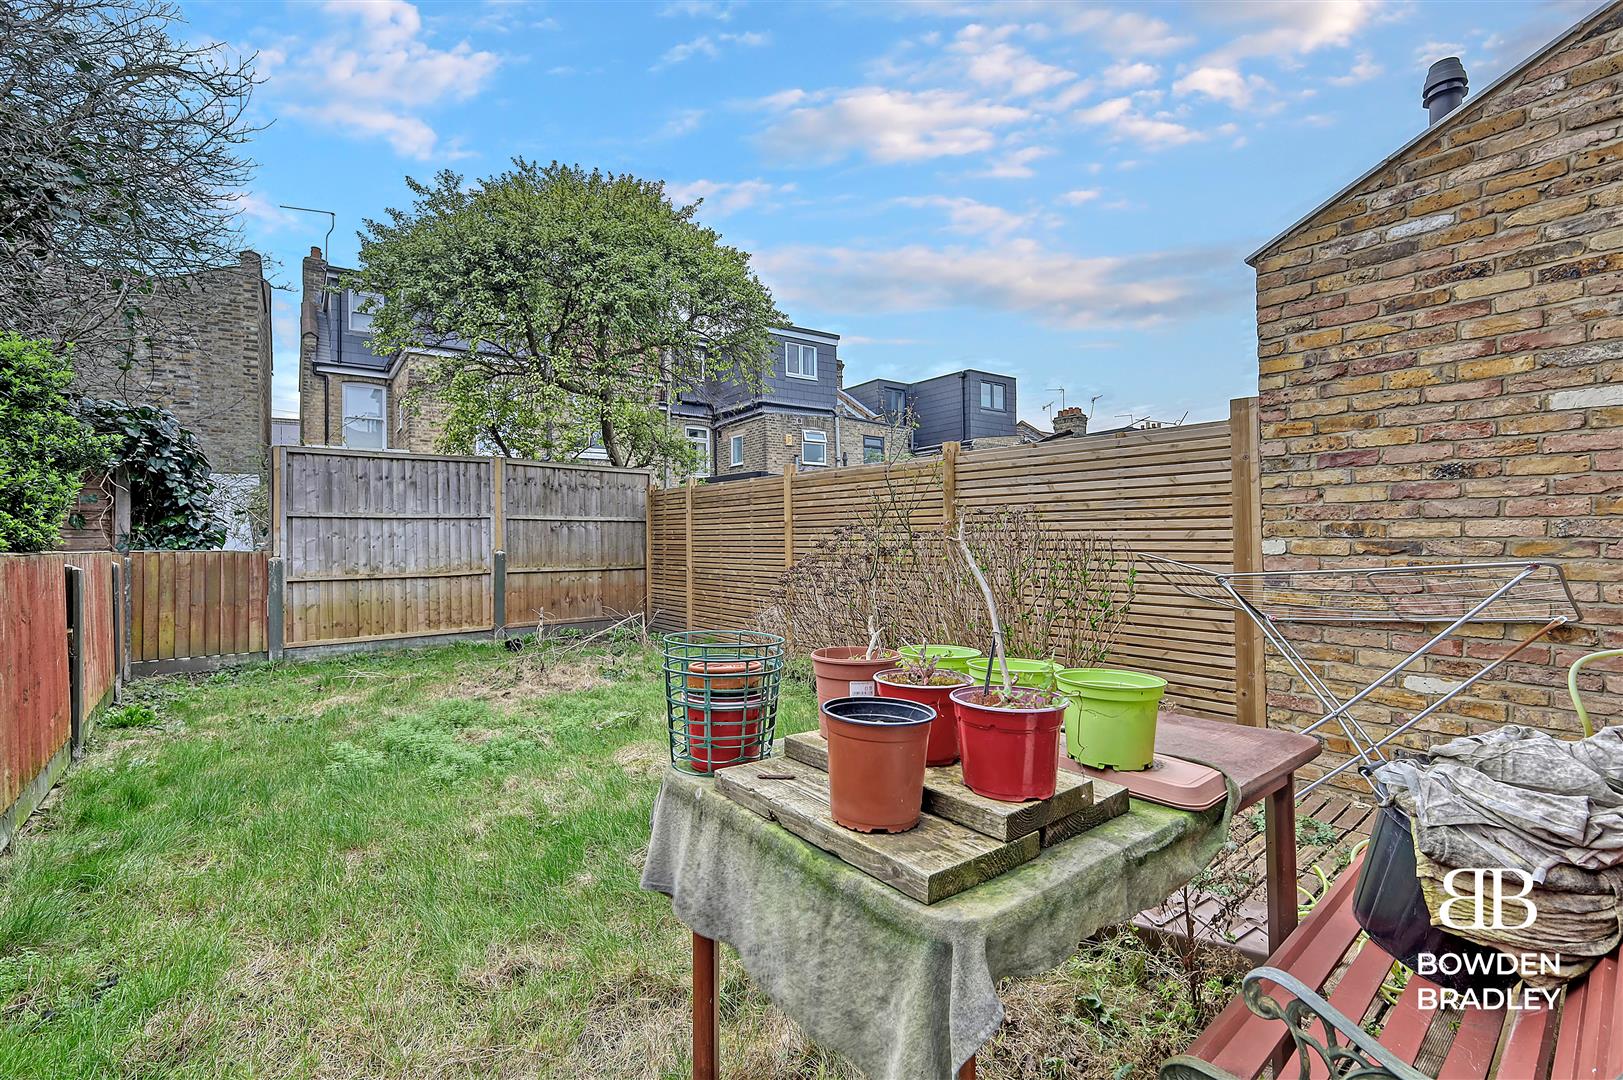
column 1065, row 193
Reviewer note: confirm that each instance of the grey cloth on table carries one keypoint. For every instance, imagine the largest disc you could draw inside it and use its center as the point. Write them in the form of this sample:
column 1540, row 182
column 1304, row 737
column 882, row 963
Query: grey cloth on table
column 1517, row 798
column 905, row 991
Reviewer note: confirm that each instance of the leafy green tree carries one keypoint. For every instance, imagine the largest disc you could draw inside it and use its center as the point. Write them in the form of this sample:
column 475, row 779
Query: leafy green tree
column 44, row 447
column 171, row 490
column 572, row 304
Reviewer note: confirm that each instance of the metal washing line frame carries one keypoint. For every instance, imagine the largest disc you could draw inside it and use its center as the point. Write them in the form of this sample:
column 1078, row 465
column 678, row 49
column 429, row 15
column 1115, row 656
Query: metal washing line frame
column 1211, row 587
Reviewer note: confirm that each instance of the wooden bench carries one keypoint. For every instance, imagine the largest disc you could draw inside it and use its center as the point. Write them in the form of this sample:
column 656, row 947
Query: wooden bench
column 1284, row 1012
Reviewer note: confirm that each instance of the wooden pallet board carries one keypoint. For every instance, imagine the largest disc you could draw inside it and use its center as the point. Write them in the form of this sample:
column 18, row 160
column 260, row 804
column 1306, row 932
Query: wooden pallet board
column 1109, row 801
column 947, row 796
column 931, row 862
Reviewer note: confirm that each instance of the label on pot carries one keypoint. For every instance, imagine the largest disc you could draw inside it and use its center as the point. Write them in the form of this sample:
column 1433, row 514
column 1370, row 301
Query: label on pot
column 861, row 689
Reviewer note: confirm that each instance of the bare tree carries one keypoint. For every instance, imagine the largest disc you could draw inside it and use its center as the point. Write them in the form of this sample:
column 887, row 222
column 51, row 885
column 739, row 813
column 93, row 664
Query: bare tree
column 120, row 163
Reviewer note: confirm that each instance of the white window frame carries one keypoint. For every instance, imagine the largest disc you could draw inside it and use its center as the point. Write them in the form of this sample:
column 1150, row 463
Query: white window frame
column 865, row 448
column 811, row 437
column 355, row 301
column 344, row 414
column 996, row 392
column 694, row 435
column 798, row 369
column 735, row 451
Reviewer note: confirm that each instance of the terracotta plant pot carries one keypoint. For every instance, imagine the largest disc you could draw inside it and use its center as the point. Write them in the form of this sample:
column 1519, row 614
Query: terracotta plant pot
column 731, row 733
column 944, row 728
column 876, row 750
column 726, row 675
column 1009, row 753
column 847, row 671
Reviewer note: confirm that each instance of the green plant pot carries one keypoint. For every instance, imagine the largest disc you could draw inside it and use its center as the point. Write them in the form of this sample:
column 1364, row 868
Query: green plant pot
column 947, row 657
column 1110, row 721
column 1036, row 674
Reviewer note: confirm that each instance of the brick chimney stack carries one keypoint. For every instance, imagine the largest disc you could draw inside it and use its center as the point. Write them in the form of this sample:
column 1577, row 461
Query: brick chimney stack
column 1071, row 421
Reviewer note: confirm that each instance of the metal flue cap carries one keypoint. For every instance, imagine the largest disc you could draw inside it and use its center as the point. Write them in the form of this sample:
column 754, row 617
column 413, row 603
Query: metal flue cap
column 1446, row 86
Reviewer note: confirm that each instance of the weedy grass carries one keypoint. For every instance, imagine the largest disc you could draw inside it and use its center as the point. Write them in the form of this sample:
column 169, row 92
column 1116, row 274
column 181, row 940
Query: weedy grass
column 420, row 864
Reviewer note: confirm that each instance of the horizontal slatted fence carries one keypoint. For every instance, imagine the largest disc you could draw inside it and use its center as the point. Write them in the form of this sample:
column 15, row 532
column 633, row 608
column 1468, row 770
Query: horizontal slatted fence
column 1166, row 492
column 193, row 605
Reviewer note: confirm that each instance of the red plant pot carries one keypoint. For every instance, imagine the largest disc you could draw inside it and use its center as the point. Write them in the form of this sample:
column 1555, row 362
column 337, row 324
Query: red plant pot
column 732, row 733
column 1009, row 754
column 876, row 749
column 847, row 671
column 944, row 728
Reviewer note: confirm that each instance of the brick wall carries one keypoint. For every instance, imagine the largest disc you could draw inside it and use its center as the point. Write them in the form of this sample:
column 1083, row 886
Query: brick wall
column 1441, row 359
column 209, row 363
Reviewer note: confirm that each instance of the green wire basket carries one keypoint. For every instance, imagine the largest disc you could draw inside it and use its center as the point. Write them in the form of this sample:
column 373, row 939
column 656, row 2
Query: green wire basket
column 721, row 697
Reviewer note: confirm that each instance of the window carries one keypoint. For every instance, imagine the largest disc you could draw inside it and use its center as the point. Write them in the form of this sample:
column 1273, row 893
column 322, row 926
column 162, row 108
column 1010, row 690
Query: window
column 895, row 401
column 363, row 416
column 800, row 361
column 992, row 396
column 737, row 444
column 873, row 449
column 700, row 438
column 813, row 448
column 361, row 321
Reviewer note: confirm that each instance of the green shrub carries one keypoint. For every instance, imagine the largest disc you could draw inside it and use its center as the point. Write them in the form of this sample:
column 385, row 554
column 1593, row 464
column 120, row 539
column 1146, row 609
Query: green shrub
column 171, row 491
column 45, row 448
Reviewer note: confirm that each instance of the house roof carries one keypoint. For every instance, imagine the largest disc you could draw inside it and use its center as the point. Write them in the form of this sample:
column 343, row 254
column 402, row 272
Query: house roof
column 1451, row 120
column 856, row 406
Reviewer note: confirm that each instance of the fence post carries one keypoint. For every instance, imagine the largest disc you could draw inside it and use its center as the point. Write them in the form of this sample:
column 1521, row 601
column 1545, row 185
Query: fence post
column 949, row 487
column 498, row 548
column 648, row 557
column 76, row 657
column 687, row 529
column 278, row 507
column 1250, row 676
column 127, row 654
column 119, row 640
column 788, row 516
column 275, row 626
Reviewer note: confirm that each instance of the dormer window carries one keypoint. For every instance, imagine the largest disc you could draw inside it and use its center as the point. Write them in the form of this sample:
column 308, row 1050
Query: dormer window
column 360, row 322
column 799, row 361
column 992, row 396
column 895, row 401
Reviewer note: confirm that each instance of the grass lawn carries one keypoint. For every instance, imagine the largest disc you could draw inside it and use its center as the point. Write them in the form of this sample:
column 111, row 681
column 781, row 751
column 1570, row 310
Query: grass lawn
column 423, row 864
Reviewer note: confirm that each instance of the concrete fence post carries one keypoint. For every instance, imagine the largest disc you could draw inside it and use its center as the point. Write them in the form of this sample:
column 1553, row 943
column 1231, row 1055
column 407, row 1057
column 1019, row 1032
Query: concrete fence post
column 76, row 657
column 498, row 600
column 275, row 626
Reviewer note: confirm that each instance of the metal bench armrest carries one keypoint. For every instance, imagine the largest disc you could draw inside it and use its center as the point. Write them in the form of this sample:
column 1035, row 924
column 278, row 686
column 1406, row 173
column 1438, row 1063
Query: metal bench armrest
column 1344, row 1048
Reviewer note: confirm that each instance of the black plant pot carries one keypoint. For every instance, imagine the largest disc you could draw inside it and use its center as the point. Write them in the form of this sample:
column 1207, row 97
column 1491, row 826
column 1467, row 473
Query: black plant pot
column 1389, row 905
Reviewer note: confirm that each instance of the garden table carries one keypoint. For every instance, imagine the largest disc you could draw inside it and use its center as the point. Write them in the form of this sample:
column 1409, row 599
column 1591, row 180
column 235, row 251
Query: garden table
column 908, row 990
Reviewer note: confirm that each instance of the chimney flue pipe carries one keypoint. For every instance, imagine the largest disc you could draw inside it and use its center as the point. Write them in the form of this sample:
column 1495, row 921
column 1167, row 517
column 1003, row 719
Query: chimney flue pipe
column 1446, row 86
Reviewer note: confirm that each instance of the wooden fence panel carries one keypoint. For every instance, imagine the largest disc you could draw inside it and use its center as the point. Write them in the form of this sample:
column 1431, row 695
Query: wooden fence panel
column 197, row 605
column 1166, row 492
column 574, row 539
column 384, row 545
column 35, row 716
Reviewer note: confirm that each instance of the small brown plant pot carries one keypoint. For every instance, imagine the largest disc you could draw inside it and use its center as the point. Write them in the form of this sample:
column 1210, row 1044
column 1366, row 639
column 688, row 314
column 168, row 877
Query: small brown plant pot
column 944, row 728
column 848, row 671
column 729, row 676
column 876, row 750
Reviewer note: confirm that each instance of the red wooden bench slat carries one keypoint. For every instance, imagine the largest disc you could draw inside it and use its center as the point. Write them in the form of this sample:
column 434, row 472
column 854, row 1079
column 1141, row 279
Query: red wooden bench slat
column 1527, row 1050
column 1354, row 992
column 1242, row 1042
column 1596, row 1030
column 1406, row 1025
column 1474, row 1044
column 1613, row 1064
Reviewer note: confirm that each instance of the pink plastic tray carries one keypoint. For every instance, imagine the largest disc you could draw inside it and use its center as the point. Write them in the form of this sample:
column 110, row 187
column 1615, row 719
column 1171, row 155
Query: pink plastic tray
column 1169, row 781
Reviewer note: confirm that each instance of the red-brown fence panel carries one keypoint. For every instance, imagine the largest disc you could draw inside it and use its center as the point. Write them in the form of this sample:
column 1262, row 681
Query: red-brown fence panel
column 35, row 717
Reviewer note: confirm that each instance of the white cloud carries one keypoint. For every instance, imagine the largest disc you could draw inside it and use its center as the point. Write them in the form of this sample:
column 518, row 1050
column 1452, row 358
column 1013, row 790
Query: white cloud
column 725, row 197
column 1432, row 51
column 720, row 10
column 993, row 63
column 1123, row 33
column 710, row 46
column 887, row 125
column 1079, row 196
column 1018, row 276
column 1364, row 69
column 966, row 215
column 682, row 122
column 266, row 215
column 1222, row 84
column 1125, row 122
column 1293, row 29
column 372, row 73
column 1125, row 74
column 1016, row 164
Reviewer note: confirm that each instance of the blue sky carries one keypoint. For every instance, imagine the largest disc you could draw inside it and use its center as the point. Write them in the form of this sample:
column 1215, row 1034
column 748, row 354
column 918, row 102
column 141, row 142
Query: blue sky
column 1065, row 193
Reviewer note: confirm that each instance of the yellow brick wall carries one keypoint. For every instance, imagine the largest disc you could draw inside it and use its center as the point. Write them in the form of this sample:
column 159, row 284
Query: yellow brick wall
column 1441, row 360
